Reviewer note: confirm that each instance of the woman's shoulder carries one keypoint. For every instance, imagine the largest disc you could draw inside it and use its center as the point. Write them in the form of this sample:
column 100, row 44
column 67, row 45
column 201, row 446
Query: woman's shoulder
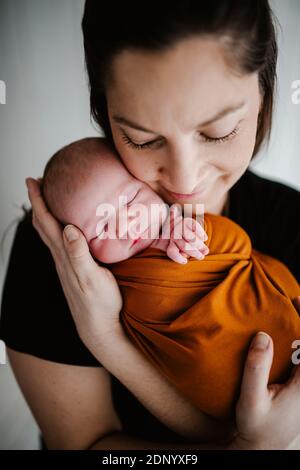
column 26, row 237
column 265, row 186
column 268, row 210
column 35, row 317
column 267, row 199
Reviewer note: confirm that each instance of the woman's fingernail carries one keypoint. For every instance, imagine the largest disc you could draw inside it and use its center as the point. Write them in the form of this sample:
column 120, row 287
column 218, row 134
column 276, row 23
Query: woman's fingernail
column 71, row 233
column 261, row 341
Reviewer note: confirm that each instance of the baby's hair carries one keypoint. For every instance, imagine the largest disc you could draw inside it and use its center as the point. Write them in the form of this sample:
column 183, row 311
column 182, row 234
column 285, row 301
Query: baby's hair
column 68, row 168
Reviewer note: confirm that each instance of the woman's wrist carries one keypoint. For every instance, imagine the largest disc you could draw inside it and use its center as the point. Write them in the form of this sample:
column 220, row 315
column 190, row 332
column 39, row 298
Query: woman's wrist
column 104, row 338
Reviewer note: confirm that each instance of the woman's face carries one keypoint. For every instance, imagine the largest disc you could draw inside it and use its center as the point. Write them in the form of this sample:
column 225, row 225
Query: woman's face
column 183, row 122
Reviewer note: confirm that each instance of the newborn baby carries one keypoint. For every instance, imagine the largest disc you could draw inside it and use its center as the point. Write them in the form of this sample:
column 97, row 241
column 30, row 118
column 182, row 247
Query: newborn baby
column 86, row 180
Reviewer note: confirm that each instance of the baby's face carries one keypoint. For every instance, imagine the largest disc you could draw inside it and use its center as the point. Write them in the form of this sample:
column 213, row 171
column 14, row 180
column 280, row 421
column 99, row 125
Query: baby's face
column 113, row 210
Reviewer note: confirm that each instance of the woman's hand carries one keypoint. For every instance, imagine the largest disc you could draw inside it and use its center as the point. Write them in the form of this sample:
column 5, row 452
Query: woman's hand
column 268, row 417
column 91, row 291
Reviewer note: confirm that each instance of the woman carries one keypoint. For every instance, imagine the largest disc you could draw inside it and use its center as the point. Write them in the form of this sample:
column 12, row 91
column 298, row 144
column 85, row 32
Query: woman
column 186, row 97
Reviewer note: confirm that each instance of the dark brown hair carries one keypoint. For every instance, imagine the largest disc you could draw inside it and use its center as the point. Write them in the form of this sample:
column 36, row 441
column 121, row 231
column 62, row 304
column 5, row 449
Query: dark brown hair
column 248, row 27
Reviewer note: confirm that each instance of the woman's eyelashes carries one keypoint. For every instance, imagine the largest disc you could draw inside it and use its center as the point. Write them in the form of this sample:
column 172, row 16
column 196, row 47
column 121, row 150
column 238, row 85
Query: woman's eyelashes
column 132, row 144
column 155, row 143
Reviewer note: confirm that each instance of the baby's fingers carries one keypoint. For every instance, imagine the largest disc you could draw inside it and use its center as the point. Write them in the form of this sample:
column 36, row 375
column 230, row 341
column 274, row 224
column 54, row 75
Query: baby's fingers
column 193, row 242
column 187, row 248
column 195, row 227
column 174, row 253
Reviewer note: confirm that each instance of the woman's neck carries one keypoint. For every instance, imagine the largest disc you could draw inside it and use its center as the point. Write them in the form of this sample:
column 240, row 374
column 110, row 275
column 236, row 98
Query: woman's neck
column 225, row 210
column 222, row 207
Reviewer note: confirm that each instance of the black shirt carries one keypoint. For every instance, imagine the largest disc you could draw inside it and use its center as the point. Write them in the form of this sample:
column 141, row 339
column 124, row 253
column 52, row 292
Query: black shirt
column 35, row 316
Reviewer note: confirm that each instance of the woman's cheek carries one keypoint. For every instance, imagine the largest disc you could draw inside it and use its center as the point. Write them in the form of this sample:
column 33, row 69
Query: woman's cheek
column 134, row 160
column 134, row 164
column 245, row 147
column 237, row 155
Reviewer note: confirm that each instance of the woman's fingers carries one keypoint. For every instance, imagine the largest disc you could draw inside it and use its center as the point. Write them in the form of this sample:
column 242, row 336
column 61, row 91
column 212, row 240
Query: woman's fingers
column 47, row 226
column 254, row 388
column 35, row 197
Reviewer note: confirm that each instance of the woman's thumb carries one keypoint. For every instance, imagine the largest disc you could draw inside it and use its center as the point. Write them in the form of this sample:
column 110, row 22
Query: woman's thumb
column 77, row 250
column 257, row 369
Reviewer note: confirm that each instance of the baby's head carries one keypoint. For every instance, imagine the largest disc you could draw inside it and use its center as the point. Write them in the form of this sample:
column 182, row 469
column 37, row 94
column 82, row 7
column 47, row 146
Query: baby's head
column 86, row 184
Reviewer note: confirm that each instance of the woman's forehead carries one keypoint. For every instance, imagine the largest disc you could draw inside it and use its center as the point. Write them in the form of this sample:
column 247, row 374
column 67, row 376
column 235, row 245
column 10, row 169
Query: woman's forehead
column 192, row 80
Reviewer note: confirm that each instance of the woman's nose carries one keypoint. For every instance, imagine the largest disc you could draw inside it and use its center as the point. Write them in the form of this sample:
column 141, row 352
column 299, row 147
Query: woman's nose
column 182, row 171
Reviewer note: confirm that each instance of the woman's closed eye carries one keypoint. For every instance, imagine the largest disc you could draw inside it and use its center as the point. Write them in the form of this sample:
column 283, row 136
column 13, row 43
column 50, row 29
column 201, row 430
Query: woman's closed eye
column 158, row 142
column 130, row 143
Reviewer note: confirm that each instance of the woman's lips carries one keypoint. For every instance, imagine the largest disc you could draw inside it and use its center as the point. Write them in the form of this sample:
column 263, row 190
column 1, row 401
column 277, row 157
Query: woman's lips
column 184, row 196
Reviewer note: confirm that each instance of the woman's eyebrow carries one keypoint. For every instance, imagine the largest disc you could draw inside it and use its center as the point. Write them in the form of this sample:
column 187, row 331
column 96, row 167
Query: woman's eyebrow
column 224, row 112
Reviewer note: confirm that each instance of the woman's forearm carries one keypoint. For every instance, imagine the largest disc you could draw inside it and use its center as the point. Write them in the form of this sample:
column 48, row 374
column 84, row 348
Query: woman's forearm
column 122, row 359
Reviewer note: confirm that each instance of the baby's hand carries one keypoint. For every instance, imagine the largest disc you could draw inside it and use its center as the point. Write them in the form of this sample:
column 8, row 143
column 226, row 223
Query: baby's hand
column 187, row 238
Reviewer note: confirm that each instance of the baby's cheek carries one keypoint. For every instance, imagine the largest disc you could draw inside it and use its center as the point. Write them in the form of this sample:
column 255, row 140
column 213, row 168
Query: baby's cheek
column 109, row 251
column 93, row 250
column 97, row 249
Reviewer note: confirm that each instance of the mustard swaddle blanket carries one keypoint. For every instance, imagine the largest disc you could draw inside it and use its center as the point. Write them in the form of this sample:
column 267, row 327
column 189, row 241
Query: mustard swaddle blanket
column 195, row 322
